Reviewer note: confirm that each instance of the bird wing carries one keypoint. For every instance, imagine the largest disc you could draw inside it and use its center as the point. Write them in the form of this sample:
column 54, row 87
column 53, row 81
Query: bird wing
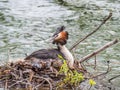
column 45, row 54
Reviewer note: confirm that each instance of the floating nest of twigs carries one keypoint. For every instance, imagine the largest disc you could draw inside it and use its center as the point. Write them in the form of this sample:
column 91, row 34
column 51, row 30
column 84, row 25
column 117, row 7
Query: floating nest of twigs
column 23, row 74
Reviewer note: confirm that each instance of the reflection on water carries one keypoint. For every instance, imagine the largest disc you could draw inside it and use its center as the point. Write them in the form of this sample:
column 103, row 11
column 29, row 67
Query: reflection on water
column 25, row 25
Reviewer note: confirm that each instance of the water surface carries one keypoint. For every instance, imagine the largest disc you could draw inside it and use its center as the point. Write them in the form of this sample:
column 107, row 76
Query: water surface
column 26, row 25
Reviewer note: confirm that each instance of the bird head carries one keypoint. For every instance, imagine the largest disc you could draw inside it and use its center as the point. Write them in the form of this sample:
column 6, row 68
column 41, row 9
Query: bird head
column 60, row 36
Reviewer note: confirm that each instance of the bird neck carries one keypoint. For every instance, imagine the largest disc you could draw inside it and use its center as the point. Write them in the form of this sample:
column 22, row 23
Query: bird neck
column 68, row 55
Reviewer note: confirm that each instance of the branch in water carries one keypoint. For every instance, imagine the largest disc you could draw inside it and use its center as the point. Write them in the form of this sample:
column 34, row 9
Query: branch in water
column 80, row 40
column 108, row 69
column 113, row 78
column 99, row 50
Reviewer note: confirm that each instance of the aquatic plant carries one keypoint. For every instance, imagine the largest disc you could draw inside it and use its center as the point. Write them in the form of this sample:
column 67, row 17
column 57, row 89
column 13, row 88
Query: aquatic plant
column 72, row 77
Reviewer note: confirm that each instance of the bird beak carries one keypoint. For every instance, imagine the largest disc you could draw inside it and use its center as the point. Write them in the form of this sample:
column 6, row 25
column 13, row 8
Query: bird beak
column 53, row 38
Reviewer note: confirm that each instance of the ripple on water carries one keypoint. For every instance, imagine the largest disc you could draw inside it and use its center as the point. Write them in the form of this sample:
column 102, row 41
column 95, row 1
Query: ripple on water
column 26, row 25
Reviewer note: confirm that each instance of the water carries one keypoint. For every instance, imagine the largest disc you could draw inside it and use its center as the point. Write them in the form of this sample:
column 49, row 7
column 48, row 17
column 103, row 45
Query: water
column 26, row 26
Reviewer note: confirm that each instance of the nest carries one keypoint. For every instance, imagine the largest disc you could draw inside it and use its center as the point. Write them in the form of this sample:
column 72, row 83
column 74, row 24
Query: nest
column 23, row 74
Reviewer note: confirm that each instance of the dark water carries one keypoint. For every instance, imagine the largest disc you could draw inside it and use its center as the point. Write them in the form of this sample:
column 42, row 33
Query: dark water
column 26, row 25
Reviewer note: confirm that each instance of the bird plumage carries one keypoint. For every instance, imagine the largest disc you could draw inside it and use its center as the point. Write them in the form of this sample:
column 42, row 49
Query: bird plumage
column 45, row 54
column 60, row 39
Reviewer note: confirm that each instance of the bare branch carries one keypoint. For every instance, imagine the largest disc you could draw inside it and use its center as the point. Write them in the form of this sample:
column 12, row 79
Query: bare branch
column 113, row 78
column 108, row 69
column 80, row 40
column 95, row 62
column 99, row 50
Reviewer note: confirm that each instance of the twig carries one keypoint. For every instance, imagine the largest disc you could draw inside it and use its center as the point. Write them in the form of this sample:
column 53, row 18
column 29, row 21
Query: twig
column 95, row 63
column 47, row 80
column 6, row 84
column 90, row 87
column 31, row 74
column 16, row 76
column 22, row 81
column 80, row 40
column 99, row 50
column 39, row 84
column 113, row 78
column 15, row 83
column 108, row 69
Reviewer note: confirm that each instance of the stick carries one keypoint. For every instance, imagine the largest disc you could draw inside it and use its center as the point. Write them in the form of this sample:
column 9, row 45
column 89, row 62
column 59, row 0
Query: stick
column 80, row 40
column 113, row 78
column 6, row 84
column 108, row 69
column 95, row 62
column 99, row 50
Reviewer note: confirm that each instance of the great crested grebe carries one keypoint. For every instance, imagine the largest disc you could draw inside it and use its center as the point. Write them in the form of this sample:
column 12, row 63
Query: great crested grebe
column 60, row 39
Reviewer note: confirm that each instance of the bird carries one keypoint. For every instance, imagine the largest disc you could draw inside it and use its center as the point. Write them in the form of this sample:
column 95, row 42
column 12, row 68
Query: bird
column 59, row 38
